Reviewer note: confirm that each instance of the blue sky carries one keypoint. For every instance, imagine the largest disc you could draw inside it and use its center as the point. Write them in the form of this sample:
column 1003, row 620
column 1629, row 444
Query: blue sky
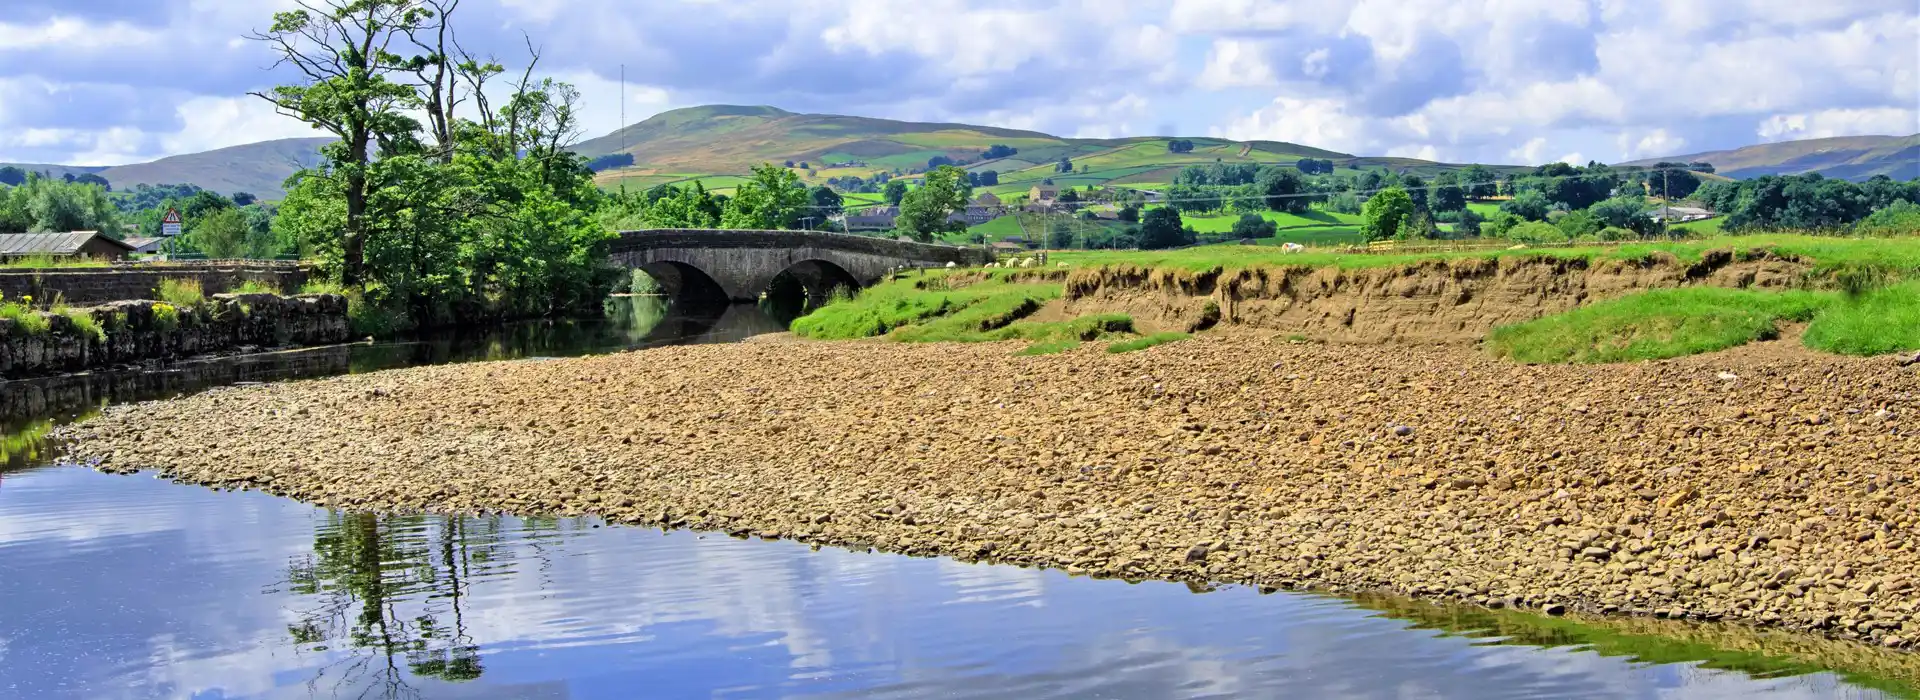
column 1504, row 81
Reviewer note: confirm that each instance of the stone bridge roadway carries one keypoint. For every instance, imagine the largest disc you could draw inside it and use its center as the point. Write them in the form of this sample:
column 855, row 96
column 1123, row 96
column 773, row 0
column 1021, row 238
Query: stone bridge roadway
column 740, row 265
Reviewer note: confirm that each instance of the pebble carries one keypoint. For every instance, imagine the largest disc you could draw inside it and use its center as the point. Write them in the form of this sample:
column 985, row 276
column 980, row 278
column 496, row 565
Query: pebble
column 1654, row 496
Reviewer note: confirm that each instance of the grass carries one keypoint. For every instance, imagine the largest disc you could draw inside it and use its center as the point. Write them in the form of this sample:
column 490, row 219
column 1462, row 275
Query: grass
column 181, row 293
column 25, row 318
column 255, row 287
column 323, row 287
column 166, row 316
column 1880, row 321
column 43, row 261
column 928, row 309
column 1222, row 223
column 1145, row 342
column 1655, row 325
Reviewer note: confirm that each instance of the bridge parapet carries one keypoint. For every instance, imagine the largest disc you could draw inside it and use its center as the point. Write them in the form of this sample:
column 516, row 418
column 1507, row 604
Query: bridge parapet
column 743, row 263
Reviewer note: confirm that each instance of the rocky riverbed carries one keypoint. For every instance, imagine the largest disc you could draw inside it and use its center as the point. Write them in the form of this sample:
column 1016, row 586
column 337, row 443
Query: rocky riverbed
column 1766, row 485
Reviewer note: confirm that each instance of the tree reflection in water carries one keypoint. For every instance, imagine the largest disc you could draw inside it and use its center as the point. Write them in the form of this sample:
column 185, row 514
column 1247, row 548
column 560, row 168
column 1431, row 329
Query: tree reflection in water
column 390, row 591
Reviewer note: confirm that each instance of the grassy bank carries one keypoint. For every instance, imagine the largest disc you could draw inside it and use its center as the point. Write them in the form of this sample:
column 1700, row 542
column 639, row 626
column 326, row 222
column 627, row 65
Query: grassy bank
column 1862, row 297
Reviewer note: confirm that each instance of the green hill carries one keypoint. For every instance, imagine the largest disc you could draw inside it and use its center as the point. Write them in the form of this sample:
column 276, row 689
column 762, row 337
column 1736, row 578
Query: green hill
column 715, row 143
column 259, row 168
column 1847, row 157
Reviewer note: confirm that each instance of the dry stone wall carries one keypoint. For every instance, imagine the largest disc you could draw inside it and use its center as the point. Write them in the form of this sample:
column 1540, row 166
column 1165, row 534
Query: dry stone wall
column 101, row 285
column 140, row 330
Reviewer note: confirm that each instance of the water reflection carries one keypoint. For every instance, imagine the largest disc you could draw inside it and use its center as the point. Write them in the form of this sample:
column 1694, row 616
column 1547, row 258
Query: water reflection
column 133, row 587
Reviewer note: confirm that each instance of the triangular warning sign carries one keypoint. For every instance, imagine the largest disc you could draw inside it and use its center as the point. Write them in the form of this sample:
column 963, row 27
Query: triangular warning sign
column 172, row 217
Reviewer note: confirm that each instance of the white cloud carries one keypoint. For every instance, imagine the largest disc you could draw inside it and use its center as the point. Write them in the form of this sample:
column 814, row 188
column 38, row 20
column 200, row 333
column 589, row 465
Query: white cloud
column 1891, row 121
column 1530, row 152
column 1233, row 63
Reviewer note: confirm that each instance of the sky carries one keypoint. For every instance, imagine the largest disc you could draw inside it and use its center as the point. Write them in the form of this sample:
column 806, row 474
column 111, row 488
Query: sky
column 103, row 82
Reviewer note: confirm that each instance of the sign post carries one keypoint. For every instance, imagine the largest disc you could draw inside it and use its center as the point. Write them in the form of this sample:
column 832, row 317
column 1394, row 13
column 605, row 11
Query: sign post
column 170, row 228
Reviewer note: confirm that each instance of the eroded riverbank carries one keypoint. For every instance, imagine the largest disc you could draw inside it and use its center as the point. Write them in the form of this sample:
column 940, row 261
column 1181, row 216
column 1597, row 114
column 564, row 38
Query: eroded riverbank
column 1766, row 485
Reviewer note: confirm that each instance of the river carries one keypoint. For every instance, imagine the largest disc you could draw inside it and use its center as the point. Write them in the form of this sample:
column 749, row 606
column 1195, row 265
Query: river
column 133, row 587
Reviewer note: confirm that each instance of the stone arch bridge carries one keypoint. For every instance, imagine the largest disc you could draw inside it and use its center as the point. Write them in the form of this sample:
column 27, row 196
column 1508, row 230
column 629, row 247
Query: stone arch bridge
column 740, row 265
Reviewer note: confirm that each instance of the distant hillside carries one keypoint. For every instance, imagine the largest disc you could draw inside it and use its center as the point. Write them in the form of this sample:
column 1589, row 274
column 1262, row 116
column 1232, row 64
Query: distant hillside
column 55, row 170
column 259, row 168
column 715, row 144
column 1846, row 157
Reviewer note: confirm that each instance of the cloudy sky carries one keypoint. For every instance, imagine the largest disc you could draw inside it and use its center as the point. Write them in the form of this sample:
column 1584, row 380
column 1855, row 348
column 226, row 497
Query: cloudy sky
column 1510, row 81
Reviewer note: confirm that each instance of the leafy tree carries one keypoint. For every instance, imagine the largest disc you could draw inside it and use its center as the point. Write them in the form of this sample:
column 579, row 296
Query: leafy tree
column 1576, row 188
column 1672, row 180
column 339, row 47
column 1898, row 219
column 1251, row 225
column 1536, row 232
column 1530, row 205
column 1064, row 166
column 1069, row 196
column 611, row 161
column 1500, row 224
column 1161, row 227
column 989, row 178
column 1180, row 146
column 1579, row 224
column 998, row 151
column 1469, row 224
column 895, row 192
column 43, row 205
column 772, row 198
column 221, row 234
column 1383, row 214
column 925, row 212
column 203, row 203
column 1480, row 181
column 1626, row 212
column 241, row 199
column 1416, row 187
column 13, row 176
column 1448, row 195
column 1371, row 181
column 1420, row 226
column 91, row 179
column 825, row 203
column 1059, row 235
column 938, row 161
column 1130, row 213
column 1281, row 188
column 1700, row 166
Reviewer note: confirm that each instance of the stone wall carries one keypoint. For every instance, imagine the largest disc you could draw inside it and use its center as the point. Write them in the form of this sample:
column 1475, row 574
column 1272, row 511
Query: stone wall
column 97, row 285
column 139, row 330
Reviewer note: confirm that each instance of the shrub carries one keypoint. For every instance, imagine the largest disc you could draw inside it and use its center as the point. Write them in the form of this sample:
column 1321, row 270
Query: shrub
column 181, row 293
column 323, row 287
column 1901, row 218
column 1615, row 233
column 24, row 317
column 85, row 324
column 255, row 287
column 166, row 317
column 1537, row 232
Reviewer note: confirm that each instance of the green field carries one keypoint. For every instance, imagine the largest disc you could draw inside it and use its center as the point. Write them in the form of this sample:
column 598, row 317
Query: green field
column 1222, row 223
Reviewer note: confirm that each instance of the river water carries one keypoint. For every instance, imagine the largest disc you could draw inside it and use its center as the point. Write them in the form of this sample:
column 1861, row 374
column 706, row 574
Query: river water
column 132, row 587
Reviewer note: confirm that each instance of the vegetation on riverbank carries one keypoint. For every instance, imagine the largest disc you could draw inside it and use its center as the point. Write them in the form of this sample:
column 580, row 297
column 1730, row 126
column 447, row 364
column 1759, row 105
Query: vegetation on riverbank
column 1855, row 292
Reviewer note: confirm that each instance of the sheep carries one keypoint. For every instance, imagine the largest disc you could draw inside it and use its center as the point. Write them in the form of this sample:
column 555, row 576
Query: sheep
column 951, row 264
column 1292, row 248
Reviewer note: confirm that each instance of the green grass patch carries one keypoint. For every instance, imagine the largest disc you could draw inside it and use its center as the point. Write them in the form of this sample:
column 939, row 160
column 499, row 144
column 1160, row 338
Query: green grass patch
column 43, row 261
column 1877, row 322
column 1656, row 325
column 25, row 318
column 1145, row 342
column 1051, row 347
column 84, row 324
column 255, row 287
column 1222, row 223
column 925, row 304
column 181, row 293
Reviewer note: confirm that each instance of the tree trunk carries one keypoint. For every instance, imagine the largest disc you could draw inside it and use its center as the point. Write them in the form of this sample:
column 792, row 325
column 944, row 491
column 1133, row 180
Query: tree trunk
column 353, row 241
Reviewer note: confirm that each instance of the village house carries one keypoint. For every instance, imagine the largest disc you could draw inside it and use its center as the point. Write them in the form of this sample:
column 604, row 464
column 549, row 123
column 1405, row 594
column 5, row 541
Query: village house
column 77, row 244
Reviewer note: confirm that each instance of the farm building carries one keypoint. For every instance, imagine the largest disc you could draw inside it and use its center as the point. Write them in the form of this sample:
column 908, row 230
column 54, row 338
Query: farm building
column 77, row 244
column 146, row 246
column 1043, row 194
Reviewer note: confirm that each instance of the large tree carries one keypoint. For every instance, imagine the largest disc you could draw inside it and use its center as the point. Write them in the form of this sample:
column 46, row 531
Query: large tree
column 1162, row 227
column 1447, row 193
column 895, row 191
column 772, row 199
column 924, row 213
column 1384, row 214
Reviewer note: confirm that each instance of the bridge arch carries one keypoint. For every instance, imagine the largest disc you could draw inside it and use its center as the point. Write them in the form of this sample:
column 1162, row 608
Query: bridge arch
column 681, row 280
column 744, row 263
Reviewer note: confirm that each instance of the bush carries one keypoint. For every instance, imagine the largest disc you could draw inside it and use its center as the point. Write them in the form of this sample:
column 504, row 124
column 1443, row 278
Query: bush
column 166, row 317
column 181, row 293
column 1615, row 233
column 84, row 324
column 323, row 287
column 24, row 317
column 639, row 282
column 1901, row 218
column 1537, row 232
column 255, row 287
column 1253, row 226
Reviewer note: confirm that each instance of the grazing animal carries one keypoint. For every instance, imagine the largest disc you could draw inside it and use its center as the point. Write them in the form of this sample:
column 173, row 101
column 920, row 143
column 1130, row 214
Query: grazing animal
column 1292, row 248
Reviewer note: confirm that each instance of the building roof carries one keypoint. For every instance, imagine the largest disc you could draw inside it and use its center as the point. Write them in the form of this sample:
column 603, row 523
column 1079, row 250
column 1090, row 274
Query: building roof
column 986, row 198
column 145, row 245
column 50, row 243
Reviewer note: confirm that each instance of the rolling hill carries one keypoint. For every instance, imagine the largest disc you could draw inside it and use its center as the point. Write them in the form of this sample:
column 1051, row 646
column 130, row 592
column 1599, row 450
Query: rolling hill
column 1846, row 157
column 715, row 144
column 259, row 168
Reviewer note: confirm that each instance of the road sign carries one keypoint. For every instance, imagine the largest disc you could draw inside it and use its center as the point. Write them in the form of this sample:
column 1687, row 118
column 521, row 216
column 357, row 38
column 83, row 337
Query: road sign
column 170, row 224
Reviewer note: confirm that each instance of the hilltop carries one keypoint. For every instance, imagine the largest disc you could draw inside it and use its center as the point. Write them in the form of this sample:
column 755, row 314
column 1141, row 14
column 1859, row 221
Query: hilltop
column 718, row 143
column 1845, row 157
column 260, row 168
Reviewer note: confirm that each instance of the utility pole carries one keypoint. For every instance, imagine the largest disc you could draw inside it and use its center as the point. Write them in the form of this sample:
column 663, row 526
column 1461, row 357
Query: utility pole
column 623, row 122
column 1666, row 205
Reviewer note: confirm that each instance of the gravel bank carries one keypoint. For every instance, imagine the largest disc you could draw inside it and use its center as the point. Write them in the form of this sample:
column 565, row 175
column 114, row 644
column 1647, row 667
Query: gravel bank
column 1767, row 485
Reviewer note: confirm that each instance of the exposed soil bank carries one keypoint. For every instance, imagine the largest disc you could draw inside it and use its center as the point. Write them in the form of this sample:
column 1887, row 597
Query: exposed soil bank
column 1451, row 300
column 1785, row 495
